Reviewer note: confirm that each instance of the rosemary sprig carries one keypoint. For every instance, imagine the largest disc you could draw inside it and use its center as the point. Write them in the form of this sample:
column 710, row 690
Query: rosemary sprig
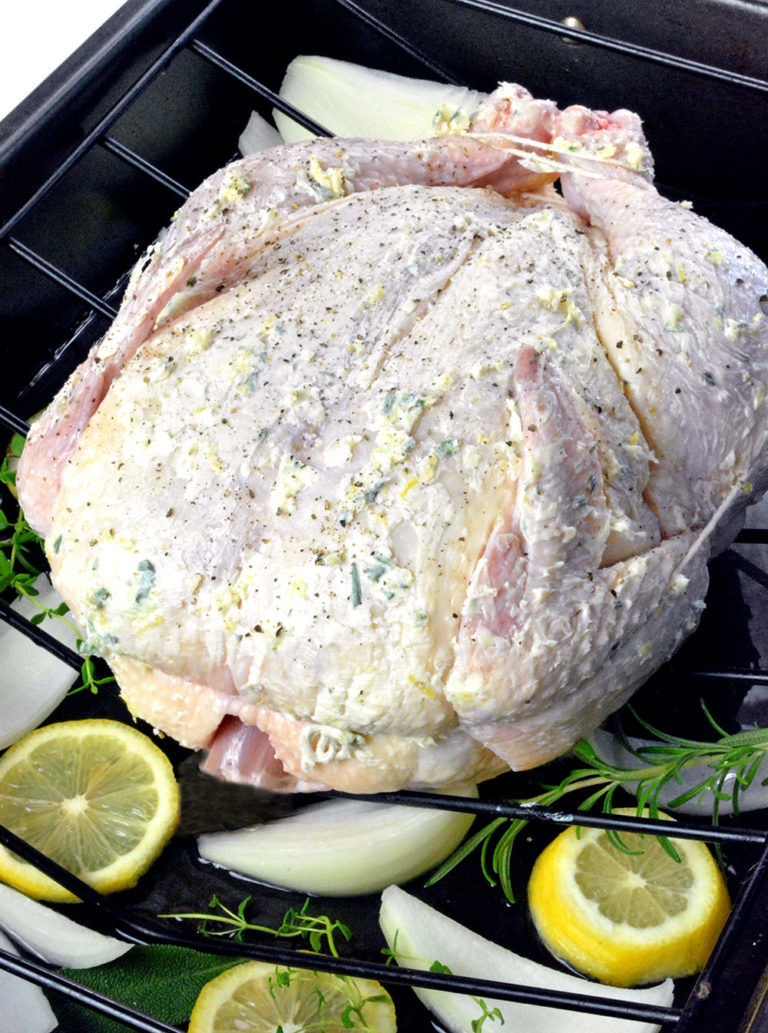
column 319, row 930
column 730, row 758
column 21, row 550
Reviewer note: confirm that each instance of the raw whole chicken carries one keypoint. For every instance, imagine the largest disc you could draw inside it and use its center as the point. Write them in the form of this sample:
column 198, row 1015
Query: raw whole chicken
column 400, row 468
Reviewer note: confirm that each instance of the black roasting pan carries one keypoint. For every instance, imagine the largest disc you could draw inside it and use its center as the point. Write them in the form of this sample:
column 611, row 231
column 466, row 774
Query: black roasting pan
column 96, row 160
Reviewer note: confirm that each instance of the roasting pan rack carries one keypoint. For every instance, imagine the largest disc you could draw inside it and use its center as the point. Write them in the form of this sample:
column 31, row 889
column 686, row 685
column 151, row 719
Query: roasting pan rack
column 154, row 102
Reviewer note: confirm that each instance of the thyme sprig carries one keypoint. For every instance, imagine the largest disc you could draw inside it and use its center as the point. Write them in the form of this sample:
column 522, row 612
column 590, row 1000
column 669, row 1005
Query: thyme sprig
column 487, row 1014
column 351, row 1017
column 728, row 766
column 21, row 553
column 318, row 930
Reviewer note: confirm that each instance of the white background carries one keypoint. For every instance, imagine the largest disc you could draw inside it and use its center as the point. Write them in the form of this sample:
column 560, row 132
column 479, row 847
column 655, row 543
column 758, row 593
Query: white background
column 37, row 35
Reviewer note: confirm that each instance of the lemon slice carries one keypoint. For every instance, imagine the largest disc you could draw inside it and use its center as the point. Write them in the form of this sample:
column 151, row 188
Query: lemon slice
column 97, row 796
column 627, row 918
column 262, row 998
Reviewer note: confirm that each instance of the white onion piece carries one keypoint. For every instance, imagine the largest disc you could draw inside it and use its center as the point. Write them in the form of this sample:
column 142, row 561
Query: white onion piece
column 341, row 847
column 32, row 681
column 23, row 1006
column 352, row 100
column 54, row 937
column 425, row 935
column 755, row 797
column 258, row 135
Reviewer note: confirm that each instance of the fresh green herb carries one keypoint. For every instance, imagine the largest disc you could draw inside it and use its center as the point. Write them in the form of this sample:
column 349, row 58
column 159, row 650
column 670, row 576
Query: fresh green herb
column 708, row 378
column 486, row 1013
column 737, row 757
column 88, row 680
column 21, row 564
column 352, row 1016
column 161, row 980
column 319, row 930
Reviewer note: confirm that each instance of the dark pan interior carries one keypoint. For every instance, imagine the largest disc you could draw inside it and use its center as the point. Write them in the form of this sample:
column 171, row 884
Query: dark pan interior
column 97, row 160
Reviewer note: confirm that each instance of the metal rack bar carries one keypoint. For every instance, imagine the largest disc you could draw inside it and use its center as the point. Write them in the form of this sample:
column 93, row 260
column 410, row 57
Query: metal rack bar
column 59, row 276
column 42, row 976
column 728, row 945
column 132, row 158
column 178, row 44
column 724, row 674
column 40, row 637
column 752, row 536
column 216, row 59
column 137, row 930
column 400, row 41
column 558, row 816
column 617, row 46
column 13, row 422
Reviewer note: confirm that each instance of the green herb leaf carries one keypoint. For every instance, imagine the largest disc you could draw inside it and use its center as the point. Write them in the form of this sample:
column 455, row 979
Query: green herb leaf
column 160, row 980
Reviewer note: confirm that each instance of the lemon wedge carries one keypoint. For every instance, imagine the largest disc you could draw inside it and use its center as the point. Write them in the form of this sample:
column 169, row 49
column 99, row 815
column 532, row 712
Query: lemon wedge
column 262, row 998
column 97, row 796
column 627, row 918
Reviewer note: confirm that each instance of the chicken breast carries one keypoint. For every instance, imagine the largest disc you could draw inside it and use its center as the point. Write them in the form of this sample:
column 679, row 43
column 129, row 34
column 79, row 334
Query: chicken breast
column 398, row 468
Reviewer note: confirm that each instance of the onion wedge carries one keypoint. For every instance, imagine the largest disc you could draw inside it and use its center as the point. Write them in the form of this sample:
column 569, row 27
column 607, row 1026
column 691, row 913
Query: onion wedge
column 23, row 1006
column 257, row 136
column 352, row 100
column 341, row 847
column 32, row 681
column 54, row 937
column 419, row 935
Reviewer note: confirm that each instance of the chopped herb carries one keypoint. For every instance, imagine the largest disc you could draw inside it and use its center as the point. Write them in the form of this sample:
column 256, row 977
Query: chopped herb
column 357, row 595
column 147, row 570
column 389, row 402
column 261, row 435
column 99, row 597
column 447, row 447
column 708, row 378
column 420, row 618
column 191, row 281
column 592, row 483
column 374, row 573
column 57, row 544
column 372, row 493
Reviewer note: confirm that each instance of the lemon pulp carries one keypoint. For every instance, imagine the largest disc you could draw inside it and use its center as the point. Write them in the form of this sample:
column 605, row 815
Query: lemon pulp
column 627, row 918
column 97, row 796
column 260, row 997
